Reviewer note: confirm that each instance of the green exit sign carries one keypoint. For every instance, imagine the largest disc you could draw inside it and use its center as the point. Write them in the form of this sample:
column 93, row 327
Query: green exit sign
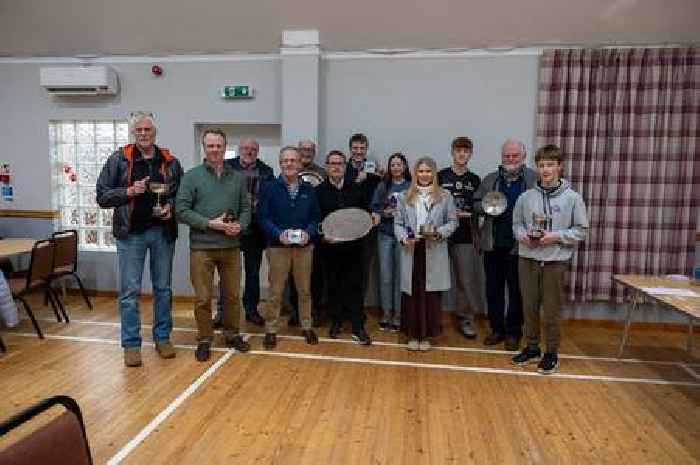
column 237, row 92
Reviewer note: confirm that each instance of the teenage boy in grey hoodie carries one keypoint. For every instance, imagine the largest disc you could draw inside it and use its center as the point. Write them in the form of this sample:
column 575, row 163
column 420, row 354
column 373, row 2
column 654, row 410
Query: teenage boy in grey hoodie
column 548, row 222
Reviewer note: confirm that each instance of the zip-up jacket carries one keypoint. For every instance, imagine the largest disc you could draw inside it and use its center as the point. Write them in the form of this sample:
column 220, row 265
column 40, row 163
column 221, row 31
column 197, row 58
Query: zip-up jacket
column 278, row 211
column 494, row 182
column 115, row 179
column 565, row 216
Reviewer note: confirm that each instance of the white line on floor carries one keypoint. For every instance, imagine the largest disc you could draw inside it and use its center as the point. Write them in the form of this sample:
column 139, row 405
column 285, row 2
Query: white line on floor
column 162, row 416
column 690, row 371
column 393, row 344
column 501, row 371
column 440, row 366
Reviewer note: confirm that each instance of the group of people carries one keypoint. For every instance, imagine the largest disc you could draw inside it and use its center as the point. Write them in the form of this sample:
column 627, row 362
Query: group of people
column 430, row 228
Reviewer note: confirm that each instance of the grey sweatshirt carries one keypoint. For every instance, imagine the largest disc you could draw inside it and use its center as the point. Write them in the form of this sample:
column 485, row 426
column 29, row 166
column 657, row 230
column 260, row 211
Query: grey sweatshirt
column 566, row 217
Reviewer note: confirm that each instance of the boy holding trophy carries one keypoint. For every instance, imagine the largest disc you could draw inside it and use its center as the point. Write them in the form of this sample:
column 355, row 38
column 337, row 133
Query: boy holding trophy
column 548, row 222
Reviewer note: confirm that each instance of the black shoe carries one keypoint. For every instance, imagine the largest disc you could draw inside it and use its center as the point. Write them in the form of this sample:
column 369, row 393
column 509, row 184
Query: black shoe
column 270, row 341
column 293, row 321
column 335, row 329
column 527, row 355
column 549, row 364
column 310, row 336
column 203, row 352
column 218, row 321
column 361, row 337
column 238, row 343
column 493, row 339
column 512, row 343
column 255, row 318
column 383, row 326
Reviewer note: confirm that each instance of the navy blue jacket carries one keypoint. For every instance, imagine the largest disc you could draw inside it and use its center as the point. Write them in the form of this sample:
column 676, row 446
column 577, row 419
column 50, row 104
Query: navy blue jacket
column 279, row 212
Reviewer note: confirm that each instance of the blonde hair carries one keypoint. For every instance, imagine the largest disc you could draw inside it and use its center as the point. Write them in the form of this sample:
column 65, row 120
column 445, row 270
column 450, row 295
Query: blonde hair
column 437, row 193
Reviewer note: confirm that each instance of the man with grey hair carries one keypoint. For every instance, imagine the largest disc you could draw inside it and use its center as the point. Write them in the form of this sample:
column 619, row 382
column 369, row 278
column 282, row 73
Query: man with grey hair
column 500, row 248
column 307, row 152
column 256, row 174
column 289, row 214
column 142, row 222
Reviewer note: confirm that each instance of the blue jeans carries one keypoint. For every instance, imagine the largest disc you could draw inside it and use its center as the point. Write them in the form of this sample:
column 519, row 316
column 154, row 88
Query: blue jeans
column 132, row 256
column 389, row 278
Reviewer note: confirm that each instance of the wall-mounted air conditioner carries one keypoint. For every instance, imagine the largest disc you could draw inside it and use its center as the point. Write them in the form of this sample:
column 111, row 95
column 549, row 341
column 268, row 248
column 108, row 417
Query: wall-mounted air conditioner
column 80, row 80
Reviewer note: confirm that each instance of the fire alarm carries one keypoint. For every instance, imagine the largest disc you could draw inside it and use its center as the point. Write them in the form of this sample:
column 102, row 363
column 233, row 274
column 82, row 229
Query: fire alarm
column 156, row 70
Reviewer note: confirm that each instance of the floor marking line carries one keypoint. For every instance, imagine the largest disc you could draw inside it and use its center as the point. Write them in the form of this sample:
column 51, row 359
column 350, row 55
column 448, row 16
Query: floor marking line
column 163, row 415
column 691, row 372
column 394, row 344
column 502, row 371
column 461, row 368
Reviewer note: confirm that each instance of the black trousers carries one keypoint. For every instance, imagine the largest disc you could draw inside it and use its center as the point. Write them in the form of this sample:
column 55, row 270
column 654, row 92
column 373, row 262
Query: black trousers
column 501, row 269
column 343, row 268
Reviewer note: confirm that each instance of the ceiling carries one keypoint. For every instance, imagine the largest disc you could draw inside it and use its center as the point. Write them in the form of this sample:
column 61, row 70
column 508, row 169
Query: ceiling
column 156, row 27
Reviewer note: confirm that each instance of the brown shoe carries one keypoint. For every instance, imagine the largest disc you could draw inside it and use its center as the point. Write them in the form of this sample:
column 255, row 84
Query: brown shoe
column 132, row 356
column 310, row 336
column 165, row 349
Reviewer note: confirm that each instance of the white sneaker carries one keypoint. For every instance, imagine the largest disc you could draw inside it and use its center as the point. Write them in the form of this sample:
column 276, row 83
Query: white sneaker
column 424, row 345
column 413, row 344
column 467, row 329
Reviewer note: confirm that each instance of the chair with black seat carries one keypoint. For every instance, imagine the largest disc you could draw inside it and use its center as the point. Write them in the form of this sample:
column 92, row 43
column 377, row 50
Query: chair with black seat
column 66, row 259
column 37, row 278
column 63, row 440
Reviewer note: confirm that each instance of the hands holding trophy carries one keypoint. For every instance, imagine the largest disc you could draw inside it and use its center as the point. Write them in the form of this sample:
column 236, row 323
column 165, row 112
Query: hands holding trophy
column 159, row 188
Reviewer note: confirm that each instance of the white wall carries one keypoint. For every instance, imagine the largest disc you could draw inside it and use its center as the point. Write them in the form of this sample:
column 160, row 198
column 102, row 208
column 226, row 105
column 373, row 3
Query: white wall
column 419, row 105
column 187, row 93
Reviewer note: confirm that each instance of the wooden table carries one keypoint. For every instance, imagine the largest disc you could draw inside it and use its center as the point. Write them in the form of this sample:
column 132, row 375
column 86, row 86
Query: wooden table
column 16, row 246
column 639, row 284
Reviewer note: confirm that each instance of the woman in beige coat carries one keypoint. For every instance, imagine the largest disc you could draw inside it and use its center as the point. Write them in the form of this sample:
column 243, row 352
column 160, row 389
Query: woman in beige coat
column 425, row 218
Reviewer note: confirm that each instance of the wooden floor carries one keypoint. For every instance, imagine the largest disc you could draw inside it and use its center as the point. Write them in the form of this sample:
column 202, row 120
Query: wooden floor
column 339, row 403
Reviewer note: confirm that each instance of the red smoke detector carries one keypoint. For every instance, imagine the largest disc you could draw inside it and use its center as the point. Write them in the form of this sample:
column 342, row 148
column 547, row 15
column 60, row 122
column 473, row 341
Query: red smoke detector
column 156, row 70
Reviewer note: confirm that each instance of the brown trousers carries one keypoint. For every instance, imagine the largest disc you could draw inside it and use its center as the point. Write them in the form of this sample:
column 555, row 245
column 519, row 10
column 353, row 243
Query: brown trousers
column 227, row 262
column 283, row 260
column 542, row 284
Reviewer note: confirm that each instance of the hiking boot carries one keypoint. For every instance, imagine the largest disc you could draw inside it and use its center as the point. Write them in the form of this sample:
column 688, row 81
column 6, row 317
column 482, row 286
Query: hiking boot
column 165, row 349
column 132, row 356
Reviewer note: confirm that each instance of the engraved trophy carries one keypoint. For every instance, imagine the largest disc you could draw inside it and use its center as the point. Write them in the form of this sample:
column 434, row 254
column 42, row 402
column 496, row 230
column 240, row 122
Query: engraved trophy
column 159, row 189
column 539, row 226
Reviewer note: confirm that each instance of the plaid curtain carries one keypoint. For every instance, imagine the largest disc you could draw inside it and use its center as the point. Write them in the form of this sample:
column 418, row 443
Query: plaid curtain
column 628, row 122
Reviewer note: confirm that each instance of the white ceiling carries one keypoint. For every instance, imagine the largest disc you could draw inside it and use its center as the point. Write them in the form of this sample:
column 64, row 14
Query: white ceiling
column 137, row 27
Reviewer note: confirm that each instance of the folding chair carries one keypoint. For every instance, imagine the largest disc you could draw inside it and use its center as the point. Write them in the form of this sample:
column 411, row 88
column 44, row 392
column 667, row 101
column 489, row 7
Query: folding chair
column 62, row 440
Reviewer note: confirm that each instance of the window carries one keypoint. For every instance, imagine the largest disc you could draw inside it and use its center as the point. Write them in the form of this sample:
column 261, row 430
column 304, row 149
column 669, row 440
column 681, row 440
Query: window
column 78, row 150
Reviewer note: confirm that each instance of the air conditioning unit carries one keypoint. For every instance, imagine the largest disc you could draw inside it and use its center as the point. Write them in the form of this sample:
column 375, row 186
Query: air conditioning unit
column 80, row 80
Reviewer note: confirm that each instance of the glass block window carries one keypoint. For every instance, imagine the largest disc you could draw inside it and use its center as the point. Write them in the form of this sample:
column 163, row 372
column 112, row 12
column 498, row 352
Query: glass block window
column 78, row 150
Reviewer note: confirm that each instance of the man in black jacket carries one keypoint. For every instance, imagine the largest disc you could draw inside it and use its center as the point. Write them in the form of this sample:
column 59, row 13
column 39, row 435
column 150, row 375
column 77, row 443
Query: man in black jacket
column 140, row 224
column 253, row 241
column 343, row 271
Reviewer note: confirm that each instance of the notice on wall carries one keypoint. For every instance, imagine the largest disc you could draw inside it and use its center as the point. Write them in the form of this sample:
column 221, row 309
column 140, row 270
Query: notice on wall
column 6, row 189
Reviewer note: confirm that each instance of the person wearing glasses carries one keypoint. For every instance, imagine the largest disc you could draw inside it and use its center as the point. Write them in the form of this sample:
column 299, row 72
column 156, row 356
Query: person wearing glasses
column 343, row 271
column 139, row 182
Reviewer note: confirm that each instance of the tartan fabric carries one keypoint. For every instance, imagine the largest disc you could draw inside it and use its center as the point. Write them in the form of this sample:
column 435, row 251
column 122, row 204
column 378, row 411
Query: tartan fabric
column 628, row 122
